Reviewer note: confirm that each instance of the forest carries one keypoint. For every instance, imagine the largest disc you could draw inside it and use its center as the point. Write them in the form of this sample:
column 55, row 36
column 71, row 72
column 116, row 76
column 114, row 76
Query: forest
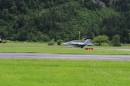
column 43, row 20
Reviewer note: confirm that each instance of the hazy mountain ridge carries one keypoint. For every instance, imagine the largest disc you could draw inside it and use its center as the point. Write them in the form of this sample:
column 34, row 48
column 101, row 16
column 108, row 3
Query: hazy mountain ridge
column 100, row 3
column 105, row 3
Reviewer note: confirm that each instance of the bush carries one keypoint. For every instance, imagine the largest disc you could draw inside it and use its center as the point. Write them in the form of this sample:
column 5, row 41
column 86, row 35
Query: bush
column 59, row 42
column 52, row 42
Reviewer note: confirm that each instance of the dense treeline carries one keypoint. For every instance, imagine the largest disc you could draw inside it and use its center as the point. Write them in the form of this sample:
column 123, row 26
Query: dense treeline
column 43, row 20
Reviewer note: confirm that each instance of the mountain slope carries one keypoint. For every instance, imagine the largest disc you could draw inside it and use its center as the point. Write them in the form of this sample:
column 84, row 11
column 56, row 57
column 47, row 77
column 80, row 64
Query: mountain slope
column 42, row 20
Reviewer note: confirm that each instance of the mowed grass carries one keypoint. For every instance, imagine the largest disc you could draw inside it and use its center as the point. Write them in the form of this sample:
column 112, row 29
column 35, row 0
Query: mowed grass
column 44, row 48
column 33, row 72
column 64, row 73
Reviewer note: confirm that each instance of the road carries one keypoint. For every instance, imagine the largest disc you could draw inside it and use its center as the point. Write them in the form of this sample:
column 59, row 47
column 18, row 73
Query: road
column 62, row 56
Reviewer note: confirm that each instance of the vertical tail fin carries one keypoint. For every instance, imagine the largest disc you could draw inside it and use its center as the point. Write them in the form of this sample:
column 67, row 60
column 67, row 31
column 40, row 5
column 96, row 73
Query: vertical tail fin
column 87, row 41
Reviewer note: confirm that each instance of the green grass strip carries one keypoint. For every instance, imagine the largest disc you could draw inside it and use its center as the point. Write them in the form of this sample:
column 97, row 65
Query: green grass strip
column 44, row 48
column 64, row 73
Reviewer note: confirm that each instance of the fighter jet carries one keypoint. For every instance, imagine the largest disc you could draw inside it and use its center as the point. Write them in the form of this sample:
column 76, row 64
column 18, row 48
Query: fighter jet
column 78, row 44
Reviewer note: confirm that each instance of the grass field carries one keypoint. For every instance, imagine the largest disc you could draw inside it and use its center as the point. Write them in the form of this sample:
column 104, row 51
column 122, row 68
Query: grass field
column 44, row 48
column 30, row 72
column 64, row 73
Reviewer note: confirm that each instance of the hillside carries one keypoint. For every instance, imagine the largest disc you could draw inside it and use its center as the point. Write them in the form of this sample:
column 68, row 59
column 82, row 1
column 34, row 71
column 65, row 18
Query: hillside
column 42, row 20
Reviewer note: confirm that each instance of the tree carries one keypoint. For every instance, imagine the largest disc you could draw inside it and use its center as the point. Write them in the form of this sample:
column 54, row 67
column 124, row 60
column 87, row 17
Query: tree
column 116, row 40
column 101, row 39
column 13, row 9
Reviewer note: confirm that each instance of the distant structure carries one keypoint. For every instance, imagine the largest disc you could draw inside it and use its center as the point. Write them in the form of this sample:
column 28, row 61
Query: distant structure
column 1, row 41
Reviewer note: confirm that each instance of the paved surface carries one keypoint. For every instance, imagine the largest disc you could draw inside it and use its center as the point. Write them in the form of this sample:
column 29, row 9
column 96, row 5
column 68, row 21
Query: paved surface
column 62, row 56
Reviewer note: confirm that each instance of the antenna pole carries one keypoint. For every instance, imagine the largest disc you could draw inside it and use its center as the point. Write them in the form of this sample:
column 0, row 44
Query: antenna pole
column 79, row 35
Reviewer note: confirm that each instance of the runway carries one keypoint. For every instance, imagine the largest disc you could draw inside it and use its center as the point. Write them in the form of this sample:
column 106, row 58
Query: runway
column 62, row 56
